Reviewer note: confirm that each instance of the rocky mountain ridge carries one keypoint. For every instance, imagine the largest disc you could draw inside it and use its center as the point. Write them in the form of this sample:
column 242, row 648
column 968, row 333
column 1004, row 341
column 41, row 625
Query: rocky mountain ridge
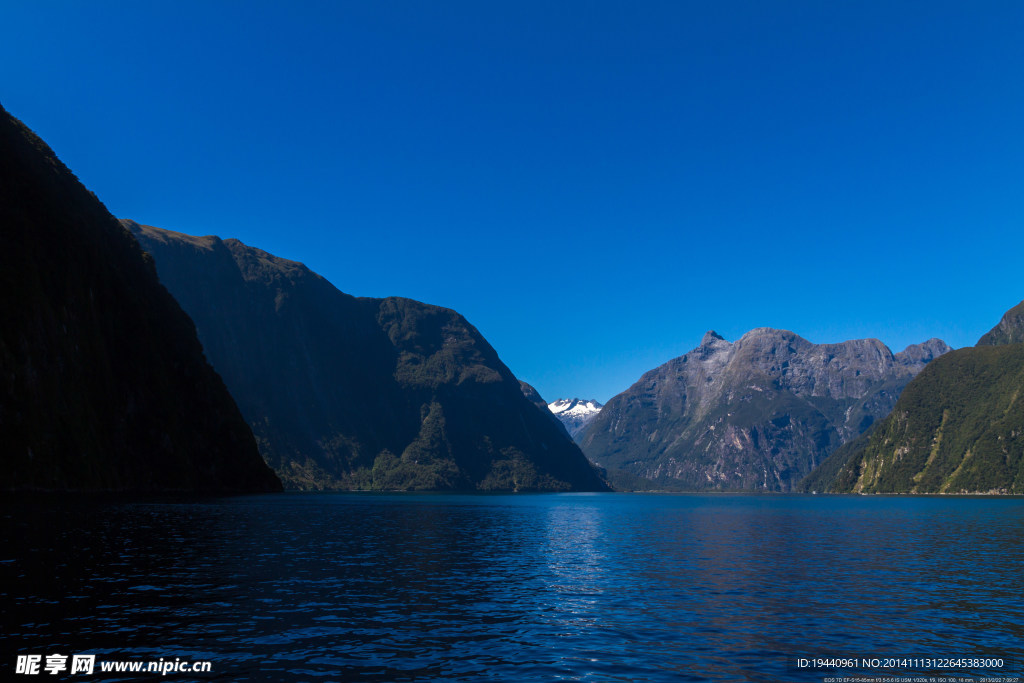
column 1009, row 330
column 756, row 414
column 957, row 428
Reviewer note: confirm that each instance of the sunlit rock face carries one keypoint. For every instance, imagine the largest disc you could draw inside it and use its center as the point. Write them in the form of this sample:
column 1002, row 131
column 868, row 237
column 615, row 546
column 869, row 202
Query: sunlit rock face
column 755, row 414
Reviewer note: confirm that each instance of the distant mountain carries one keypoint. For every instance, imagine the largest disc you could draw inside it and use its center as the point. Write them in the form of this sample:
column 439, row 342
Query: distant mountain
column 361, row 393
column 534, row 397
column 957, row 428
column 104, row 385
column 575, row 413
column 757, row 414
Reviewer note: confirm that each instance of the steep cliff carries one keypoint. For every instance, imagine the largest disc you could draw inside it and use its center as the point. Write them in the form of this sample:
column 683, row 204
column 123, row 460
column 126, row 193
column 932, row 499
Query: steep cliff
column 757, row 414
column 957, row 428
column 103, row 384
column 361, row 393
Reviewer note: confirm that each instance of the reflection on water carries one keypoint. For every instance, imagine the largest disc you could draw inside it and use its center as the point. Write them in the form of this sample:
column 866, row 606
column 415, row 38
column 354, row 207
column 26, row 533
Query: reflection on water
column 303, row 587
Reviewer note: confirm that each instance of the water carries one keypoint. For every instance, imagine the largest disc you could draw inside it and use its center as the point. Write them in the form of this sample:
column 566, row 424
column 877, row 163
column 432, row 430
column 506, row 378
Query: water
column 601, row 587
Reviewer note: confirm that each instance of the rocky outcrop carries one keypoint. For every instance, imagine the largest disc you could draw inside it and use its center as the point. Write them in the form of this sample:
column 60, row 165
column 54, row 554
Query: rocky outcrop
column 103, row 384
column 957, row 428
column 1010, row 329
column 757, row 414
column 357, row 393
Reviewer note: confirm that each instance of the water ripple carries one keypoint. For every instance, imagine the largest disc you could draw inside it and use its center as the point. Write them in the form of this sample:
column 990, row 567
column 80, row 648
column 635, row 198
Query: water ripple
column 528, row 588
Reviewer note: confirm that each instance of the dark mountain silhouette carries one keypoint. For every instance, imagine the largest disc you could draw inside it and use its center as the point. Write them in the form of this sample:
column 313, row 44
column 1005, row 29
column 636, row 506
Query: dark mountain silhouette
column 358, row 393
column 103, row 384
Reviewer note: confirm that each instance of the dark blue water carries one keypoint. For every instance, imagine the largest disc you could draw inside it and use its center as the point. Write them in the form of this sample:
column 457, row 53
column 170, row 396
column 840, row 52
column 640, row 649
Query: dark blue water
column 328, row 587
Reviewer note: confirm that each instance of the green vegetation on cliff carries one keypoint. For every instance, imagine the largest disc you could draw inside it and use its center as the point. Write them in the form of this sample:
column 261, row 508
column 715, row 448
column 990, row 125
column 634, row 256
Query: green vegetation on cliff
column 957, row 428
column 822, row 477
column 359, row 393
column 1010, row 329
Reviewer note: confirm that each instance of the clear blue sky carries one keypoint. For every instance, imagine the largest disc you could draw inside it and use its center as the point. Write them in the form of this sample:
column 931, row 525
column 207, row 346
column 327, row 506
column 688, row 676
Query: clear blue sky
column 592, row 184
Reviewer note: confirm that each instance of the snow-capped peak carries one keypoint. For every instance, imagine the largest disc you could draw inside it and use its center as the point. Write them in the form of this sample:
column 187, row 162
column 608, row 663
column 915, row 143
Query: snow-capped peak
column 575, row 407
column 575, row 413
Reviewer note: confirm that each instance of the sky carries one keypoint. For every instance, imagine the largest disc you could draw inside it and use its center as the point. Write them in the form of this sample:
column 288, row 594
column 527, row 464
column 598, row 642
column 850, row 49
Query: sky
column 592, row 184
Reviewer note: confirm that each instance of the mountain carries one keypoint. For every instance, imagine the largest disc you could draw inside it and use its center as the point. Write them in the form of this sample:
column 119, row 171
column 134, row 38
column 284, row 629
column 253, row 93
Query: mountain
column 104, row 386
column 534, row 397
column 1010, row 329
column 358, row 393
column 957, row 428
column 575, row 413
column 757, row 414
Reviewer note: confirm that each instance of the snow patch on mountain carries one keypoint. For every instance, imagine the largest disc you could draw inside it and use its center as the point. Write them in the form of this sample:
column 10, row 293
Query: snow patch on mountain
column 575, row 413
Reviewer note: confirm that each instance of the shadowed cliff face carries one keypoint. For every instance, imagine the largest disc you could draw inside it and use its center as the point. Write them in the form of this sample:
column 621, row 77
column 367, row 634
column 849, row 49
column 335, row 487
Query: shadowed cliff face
column 361, row 393
column 103, row 384
column 757, row 414
column 534, row 397
column 957, row 428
